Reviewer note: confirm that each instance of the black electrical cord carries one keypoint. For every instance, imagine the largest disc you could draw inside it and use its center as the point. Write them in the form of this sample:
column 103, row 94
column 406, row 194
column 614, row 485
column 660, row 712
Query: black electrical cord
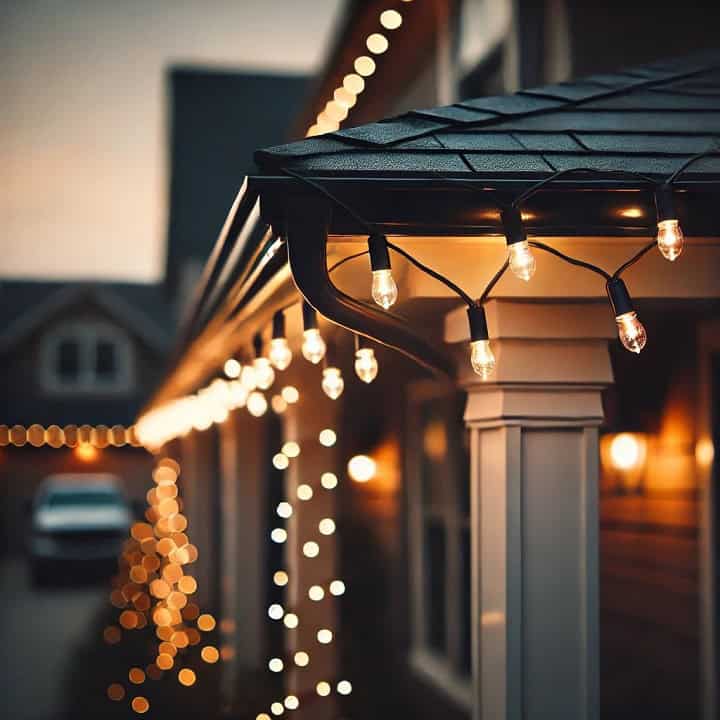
column 493, row 282
column 634, row 259
column 569, row 259
column 336, row 265
column 569, row 171
column 434, row 274
column 690, row 161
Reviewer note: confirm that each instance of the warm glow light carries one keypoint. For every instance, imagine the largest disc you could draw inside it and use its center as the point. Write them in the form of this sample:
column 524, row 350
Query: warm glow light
column 336, row 111
column 291, row 702
column 631, row 212
column 291, row 449
column 326, row 526
column 522, row 261
column 364, row 66
column 631, row 332
column 276, row 665
column 85, row 452
column 257, row 404
column 327, row 437
column 323, row 688
column 136, row 676
column 210, row 654
column 290, row 394
column 625, row 451
column 324, row 636
column 384, row 289
column 278, row 404
column 232, row 368
column 280, row 578
column 290, row 621
column 304, row 492
column 362, row 468
column 284, row 510
column 275, row 611
column 280, row 354
column 704, row 452
column 302, row 659
column 353, row 83
column 344, row 687
column 116, row 692
column 277, row 708
column 206, row 622
column 344, row 97
column 482, row 358
column 140, row 705
column 264, row 373
column 337, row 588
column 311, row 549
column 278, row 535
column 329, row 480
column 670, row 239
column 262, row 716
column 313, row 346
column 366, row 365
column 280, row 461
column 390, row 19
column 377, row 43
column 332, row 382
column 316, row 593
column 186, row 677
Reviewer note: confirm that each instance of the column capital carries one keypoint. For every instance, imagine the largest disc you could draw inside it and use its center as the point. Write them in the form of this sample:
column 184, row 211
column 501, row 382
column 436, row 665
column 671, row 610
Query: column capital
column 539, row 346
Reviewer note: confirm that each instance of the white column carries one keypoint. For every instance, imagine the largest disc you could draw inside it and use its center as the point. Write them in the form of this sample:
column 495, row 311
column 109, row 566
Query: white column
column 534, row 485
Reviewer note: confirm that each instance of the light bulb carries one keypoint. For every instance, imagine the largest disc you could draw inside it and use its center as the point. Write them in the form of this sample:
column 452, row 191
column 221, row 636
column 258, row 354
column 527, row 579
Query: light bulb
column 332, row 382
column 522, row 261
column 256, row 404
column 313, row 347
column 482, row 358
column 631, row 331
column 280, row 354
column 366, row 366
column 264, row 374
column 247, row 378
column 232, row 368
column 384, row 289
column 670, row 239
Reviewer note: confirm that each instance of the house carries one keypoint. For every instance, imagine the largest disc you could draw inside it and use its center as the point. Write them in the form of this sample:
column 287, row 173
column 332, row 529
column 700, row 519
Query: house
column 503, row 556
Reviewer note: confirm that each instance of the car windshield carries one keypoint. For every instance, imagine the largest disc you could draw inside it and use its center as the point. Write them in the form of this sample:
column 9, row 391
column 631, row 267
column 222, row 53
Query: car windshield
column 82, row 498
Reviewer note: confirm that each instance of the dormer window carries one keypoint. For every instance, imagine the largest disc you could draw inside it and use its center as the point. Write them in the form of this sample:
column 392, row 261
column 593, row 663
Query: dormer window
column 93, row 357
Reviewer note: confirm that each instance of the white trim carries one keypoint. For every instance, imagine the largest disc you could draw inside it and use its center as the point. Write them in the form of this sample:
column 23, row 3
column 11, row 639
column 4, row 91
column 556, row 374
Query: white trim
column 87, row 335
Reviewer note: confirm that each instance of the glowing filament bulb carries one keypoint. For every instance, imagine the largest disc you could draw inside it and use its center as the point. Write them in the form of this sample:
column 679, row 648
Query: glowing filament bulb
column 264, row 374
column 670, row 239
column 280, row 354
column 384, row 289
column 482, row 358
column 313, row 347
column 256, row 404
column 247, row 378
column 631, row 331
column 366, row 366
column 522, row 261
column 332, row 382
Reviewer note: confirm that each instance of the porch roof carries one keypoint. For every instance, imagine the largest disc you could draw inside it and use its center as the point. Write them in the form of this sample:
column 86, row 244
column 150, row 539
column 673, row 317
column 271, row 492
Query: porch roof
column 645, row 120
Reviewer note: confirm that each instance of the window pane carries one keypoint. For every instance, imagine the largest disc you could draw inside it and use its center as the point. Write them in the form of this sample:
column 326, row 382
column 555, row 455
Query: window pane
column 68, row 360
column 434, row 464
column 435, row 586
column 105, row 360
column 460, row 448
column 465, row 622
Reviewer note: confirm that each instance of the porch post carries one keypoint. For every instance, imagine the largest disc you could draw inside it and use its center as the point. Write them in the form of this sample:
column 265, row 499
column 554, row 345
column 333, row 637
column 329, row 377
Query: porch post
column 534, row 495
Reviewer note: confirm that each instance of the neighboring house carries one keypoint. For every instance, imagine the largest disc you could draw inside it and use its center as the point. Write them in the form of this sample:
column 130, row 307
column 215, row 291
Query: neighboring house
column 494, row 570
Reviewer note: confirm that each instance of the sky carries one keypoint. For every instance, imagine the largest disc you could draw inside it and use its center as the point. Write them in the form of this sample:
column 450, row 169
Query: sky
column 83, row 129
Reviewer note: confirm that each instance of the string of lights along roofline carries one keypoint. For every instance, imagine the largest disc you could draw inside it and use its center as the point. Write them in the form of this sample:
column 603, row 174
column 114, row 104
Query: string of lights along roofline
column 345, row 96
column 521, row 261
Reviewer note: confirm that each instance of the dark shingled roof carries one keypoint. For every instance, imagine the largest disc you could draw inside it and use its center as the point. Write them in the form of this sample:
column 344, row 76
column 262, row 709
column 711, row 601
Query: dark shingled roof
column 646, row 120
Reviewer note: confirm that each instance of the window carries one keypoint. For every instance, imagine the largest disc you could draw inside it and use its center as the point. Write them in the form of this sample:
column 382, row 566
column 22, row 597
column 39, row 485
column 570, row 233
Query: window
column 86, row 357
column 439, row 512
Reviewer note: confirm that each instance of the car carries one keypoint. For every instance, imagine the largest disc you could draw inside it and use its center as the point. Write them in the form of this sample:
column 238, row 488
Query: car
column 77, row 519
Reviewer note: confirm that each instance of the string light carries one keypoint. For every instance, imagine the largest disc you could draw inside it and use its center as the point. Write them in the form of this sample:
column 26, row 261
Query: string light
column 292, row 702
column 304, row 492
column 329, row 480
column 313, row 346
column 232, row 368
column 291, row 449
column 257, row 404
column 670, row 238
column 326, row 526
column 275, row 612
column 366, row 365
column 481, row 354
column 284, row 510
column 327, row 437
column 323, row 688
column 384, row 289
column 522, row 261
column 264, row 373
column 290, row 394
column 291, row 621
column 278, row 535
column 337, row 588
column 302, row 659
column 361, row 468
column 630, row 330
column 316, row 593
column 332, row 382
column 344, row 687
column 280, row 354
column 324, row 636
